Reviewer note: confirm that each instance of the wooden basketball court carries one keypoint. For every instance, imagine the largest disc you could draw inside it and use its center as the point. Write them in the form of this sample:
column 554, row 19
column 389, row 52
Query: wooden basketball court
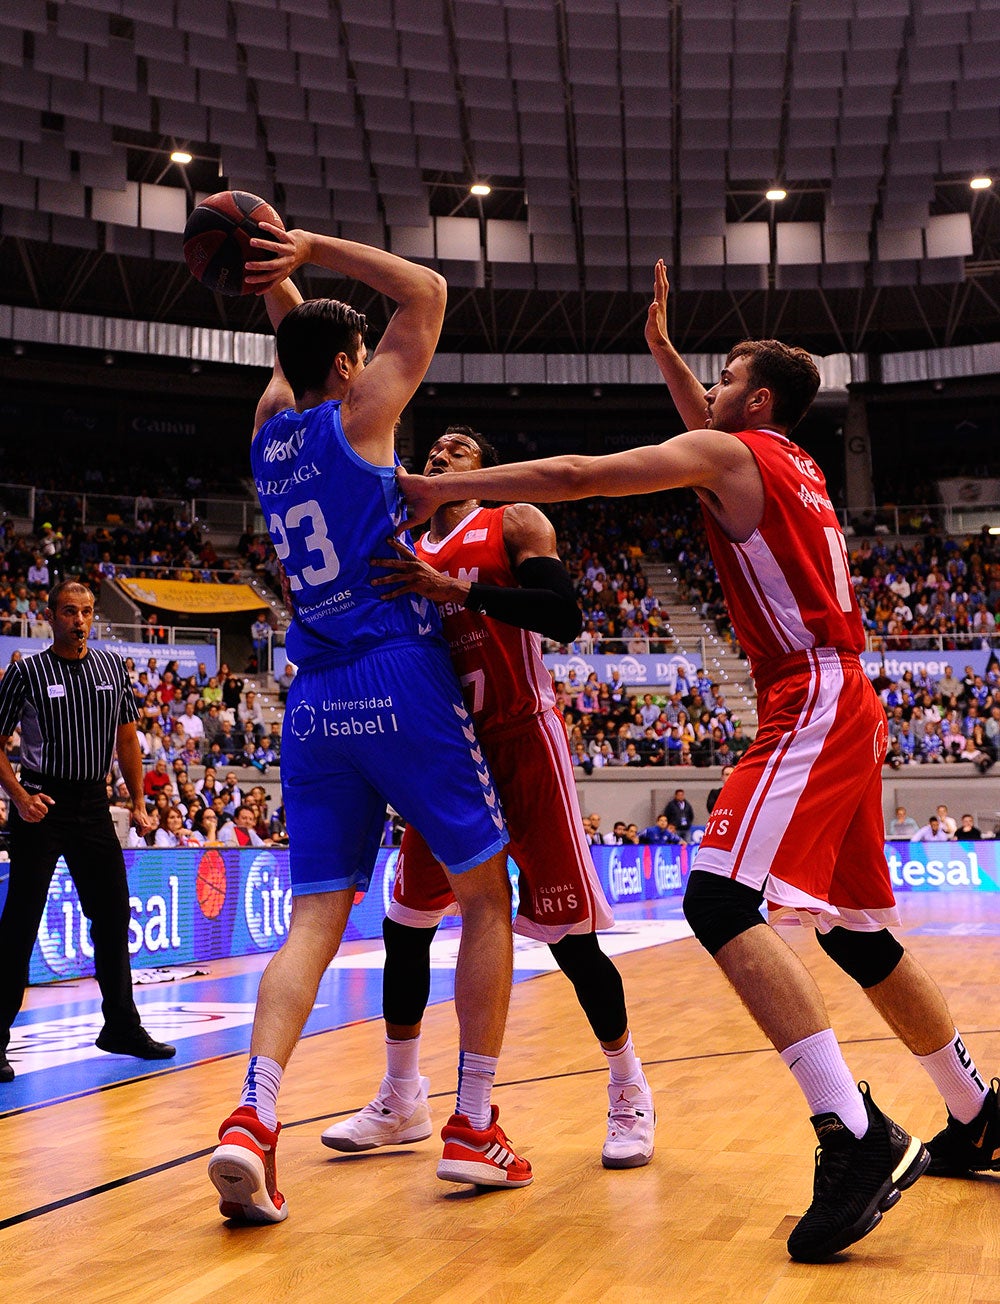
column 105, row 1197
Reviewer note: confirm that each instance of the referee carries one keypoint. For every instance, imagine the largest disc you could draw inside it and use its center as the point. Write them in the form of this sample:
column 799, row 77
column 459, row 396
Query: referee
column 75, row 707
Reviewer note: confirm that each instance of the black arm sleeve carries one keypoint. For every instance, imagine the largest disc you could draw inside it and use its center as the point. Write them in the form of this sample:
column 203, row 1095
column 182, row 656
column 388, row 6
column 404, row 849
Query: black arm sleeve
column 545, row 602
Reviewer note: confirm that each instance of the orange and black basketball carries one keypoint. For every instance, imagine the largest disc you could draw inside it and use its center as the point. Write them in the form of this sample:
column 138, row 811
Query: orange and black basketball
column 217, row 239
column 210, row 884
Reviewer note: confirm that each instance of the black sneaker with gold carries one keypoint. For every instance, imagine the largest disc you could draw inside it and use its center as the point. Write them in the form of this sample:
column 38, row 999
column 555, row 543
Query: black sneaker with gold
column 963, row 1148
column 6, row 1068
column 856, row 1181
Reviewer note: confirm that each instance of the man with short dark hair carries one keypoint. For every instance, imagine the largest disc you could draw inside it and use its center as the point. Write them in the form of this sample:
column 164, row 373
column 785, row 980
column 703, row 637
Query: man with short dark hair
column 75, row 709
column 932, row 831
column 374, row 689
column 494, row 626
column 680, row 813
column 260, row 634
column 662, row 833
column 801, row 822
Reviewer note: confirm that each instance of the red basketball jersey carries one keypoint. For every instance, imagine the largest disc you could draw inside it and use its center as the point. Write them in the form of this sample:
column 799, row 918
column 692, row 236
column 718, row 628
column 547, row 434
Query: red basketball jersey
column 788, row 587
column 503, row 676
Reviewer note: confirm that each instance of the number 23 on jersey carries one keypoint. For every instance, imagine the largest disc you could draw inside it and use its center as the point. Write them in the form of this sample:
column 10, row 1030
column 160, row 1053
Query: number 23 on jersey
column 309, row 517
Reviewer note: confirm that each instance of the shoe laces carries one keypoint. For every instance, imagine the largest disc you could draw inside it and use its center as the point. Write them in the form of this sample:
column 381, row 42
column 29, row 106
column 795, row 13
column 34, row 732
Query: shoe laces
column 381, row 1107
column 833, row 1163
column 625, row 1115
column 629, row 1106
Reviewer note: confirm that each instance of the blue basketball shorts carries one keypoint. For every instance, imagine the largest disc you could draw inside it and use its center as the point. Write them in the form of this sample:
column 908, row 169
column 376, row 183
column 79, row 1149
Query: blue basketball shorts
column 390, row 727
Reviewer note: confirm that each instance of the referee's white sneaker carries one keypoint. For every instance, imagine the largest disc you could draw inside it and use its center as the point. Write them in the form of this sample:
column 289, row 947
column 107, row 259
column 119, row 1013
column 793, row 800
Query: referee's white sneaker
column 631, row 1123
column 388, row 1120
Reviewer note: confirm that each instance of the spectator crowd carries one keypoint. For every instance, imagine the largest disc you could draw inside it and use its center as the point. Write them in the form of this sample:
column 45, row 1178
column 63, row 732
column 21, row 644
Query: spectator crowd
column 943, row 720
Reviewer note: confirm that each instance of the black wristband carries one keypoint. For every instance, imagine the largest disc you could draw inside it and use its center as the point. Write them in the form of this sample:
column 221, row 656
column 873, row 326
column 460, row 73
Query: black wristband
column 545, row 602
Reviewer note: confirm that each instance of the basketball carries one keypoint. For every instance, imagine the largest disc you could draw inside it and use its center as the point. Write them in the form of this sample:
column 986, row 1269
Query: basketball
column 217, row 239
column 210, row 884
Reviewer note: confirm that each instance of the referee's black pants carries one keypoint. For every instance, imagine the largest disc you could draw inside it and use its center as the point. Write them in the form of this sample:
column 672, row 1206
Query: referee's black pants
column 79, row 827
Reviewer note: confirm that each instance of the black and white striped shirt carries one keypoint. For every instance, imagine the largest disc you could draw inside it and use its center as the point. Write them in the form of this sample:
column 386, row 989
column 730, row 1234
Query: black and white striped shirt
column 69, row 712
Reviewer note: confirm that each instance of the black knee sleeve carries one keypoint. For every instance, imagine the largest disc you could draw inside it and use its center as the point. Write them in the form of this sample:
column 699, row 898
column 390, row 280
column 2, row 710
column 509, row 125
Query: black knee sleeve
column 868, row 958
column 719, row 909
column 406, row 978
column 597, row 983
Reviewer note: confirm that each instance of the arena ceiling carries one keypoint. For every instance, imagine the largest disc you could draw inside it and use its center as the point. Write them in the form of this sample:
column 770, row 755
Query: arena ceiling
column 612, row 132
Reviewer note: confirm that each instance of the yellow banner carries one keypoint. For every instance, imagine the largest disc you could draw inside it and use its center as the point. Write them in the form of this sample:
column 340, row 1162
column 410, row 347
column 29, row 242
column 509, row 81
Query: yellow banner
column 177, row 595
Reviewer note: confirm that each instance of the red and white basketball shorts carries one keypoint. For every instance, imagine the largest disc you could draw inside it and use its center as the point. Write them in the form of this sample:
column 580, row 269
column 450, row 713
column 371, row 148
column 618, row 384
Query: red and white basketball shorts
column 559, row 889
column 801, row 815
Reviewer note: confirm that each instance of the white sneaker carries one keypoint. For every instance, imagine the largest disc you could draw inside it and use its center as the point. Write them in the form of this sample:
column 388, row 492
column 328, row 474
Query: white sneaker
column 631, row 1120
column 385, row 1121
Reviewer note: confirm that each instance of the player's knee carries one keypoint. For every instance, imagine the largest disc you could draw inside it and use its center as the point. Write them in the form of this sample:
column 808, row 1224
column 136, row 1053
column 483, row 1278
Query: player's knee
column 405, row 944
column 868, row 958
column 406, row 977
column 577, row 955
column 597, row 983
column 719, row 909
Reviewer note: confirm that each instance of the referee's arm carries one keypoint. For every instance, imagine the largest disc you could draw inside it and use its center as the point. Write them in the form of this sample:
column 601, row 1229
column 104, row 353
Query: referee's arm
column 130, row 761
column 31, row 806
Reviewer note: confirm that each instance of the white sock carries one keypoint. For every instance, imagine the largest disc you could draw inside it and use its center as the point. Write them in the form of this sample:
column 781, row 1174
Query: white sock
column 955, row 1075
column 260, row 1089
column 402, row 1066
column 817, row 1065
column 475, row 1082
column 624, row 1064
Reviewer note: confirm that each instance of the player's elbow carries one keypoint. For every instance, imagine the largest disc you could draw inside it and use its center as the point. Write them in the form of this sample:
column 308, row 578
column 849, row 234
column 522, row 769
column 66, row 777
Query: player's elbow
column 566, row 621
column 433, row 289
column 578, row 477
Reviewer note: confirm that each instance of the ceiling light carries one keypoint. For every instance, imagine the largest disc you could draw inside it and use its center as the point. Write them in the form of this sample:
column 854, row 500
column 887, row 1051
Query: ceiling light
column 480, row 188
column 776, row 194
column 180, row 156
column 981, row 183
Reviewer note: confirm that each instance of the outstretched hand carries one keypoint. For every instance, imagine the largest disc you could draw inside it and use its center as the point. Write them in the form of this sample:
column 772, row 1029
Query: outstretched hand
column 656, row 318
column 290, row 248
column 408, row 574
column 420, row 495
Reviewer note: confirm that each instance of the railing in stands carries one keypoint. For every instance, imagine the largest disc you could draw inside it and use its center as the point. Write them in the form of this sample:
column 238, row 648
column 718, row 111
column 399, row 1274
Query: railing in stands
column 916, row 519
column 949, row 642
column 226, row 515
column 242, row 515
column 118, row 632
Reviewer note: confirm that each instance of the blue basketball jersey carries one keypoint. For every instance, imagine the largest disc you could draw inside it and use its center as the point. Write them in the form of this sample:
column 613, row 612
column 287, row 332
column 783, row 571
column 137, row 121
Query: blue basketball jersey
column 328, row 512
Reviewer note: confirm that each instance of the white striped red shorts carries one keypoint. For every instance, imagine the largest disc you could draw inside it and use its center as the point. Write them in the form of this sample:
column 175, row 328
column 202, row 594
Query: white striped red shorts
column 801, row 816
column 559, row 889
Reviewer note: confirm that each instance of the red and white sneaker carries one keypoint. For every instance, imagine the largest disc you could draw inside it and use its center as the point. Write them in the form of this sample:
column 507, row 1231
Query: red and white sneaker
column 243, row 1171
column 483, row 1158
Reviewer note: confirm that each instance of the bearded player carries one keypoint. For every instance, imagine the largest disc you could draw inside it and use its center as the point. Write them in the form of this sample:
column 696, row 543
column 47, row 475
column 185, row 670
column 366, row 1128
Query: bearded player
column 499, row 584
column 800, row 824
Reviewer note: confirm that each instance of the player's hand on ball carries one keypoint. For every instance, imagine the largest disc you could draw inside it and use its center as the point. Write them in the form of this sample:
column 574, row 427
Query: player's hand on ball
column 289, row 250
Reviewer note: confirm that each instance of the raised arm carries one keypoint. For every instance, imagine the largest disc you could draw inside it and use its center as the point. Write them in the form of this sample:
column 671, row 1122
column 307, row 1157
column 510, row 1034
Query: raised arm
column 404, row 352
column 686, row 389
column 279, row 301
